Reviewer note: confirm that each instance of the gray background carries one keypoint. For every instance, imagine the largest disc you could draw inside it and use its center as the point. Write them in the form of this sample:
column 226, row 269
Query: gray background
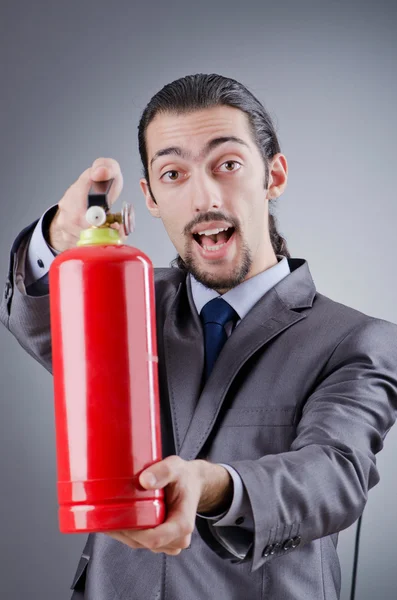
column 75, row 77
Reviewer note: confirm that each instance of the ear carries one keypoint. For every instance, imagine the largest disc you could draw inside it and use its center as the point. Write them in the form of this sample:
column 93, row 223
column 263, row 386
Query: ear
column 278, row 174
column 150, row 203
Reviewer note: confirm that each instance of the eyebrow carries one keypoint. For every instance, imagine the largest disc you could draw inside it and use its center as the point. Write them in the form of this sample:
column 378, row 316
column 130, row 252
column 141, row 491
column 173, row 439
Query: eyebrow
column 211, row 145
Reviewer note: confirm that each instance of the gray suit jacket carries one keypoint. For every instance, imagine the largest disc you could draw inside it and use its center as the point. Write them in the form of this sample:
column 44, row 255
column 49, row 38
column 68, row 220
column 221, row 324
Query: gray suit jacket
column 299, row 402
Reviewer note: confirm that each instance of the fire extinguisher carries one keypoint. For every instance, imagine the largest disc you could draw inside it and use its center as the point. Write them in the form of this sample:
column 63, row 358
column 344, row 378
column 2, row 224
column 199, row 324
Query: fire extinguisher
column 104, row 352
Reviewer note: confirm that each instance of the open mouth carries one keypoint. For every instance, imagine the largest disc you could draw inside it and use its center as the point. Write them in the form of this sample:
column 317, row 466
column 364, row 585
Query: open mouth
column 214, row 239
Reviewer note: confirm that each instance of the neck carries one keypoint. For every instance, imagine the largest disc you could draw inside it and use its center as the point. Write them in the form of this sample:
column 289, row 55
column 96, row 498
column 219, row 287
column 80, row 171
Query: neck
column 271, row 261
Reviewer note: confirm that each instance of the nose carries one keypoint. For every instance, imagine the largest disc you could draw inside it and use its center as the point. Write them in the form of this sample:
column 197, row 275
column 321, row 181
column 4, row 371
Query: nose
column 206, row 195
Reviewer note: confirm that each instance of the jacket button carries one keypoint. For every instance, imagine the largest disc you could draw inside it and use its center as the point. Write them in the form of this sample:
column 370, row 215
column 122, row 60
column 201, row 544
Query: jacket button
column 276, row 546
column 292, row 543
column 268, row 549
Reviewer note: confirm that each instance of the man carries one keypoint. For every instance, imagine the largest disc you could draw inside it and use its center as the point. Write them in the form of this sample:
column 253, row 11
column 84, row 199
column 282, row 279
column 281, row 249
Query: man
column 274, row 398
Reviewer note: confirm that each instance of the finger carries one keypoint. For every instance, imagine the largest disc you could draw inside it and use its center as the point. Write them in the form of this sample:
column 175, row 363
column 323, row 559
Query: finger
column 76, row 195
column 104, row 168
column 120, row 229
column 83, row 178
column 122, row 537
column 180, row 544
column 125, row 538
column 174, row 533
column 169, row 551
column 71, row 221
column 107, row 168
column 160, row 474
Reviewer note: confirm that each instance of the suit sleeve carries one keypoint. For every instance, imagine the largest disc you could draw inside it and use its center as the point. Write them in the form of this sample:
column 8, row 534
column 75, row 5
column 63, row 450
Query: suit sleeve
column 320, row 486
column 26, row 316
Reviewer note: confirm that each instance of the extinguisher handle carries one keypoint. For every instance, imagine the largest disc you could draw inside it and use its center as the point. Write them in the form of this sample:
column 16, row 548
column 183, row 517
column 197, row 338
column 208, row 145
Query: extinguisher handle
column 98, row 194
column 98, row 199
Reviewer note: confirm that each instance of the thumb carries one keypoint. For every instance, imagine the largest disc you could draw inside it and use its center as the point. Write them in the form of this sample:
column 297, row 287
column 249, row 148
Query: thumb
column 160, row 474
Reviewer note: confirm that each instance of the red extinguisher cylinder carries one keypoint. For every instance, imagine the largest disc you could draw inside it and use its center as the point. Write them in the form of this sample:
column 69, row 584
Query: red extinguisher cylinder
column 107, row 420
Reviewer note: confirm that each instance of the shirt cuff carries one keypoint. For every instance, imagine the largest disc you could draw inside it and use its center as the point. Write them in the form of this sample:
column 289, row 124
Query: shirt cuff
column 240, row 512
column 40, row 254
column 236, row 540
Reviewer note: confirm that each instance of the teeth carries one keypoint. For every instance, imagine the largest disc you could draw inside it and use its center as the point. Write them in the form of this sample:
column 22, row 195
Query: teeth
column 213, row 231
column 214, row 248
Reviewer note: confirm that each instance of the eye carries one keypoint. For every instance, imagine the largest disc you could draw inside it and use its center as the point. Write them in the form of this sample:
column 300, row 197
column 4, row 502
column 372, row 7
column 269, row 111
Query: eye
column 230, row 166
column 170, row 176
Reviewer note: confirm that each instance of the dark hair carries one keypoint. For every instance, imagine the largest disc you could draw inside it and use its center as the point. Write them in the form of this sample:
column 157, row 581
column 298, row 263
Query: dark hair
column 195, row 92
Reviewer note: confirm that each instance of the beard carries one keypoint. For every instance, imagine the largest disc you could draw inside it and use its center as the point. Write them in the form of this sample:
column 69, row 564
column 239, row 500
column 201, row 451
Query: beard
column 221, row 282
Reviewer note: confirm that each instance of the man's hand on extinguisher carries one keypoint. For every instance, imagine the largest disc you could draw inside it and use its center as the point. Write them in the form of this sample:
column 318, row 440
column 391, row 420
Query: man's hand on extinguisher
column 190, row 487
column 65, row 228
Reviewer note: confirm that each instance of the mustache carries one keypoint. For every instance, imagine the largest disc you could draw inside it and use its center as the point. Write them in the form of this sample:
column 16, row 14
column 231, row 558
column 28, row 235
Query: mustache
column 211, row 216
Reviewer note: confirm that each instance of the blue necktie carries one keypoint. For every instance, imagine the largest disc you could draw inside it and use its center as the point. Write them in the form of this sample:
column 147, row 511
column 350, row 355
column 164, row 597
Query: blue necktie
column 214, row 315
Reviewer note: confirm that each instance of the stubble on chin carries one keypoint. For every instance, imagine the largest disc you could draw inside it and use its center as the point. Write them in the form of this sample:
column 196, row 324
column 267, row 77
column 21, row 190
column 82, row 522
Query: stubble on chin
column 220, row 281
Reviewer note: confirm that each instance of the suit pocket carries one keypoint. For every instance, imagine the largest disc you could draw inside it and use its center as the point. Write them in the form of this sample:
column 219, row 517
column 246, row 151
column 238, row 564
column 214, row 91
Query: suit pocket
column 264, row 417
column 250, row 433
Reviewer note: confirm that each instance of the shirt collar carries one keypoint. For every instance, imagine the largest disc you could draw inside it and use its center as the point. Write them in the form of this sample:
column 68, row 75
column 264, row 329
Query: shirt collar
column 245, row 295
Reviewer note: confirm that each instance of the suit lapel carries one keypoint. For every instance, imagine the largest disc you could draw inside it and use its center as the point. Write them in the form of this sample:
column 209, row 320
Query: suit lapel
column 194, row 413
column 184, row 359
column 262, row 324
column 272, row 315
